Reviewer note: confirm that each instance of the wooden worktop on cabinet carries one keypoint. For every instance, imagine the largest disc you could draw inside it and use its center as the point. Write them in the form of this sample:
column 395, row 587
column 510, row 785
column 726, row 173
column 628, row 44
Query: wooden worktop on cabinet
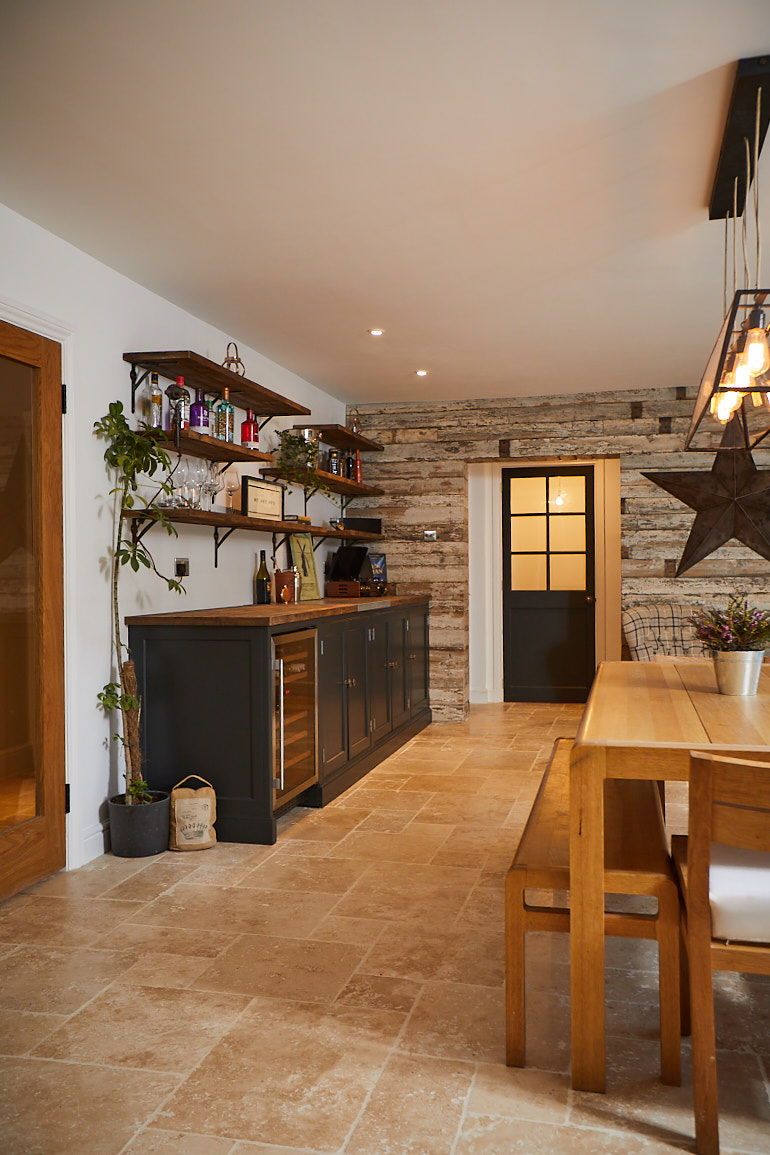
column 276, row 615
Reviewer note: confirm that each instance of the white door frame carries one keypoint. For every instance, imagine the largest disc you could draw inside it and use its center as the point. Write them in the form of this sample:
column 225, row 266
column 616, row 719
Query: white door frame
column 485, row 565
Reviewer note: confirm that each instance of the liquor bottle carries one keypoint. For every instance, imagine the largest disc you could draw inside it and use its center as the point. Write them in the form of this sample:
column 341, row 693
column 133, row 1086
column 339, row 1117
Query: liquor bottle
column 357, row 474
column 350, row 465
column 333, row 462
column 199, row 413
column 155, row 403
column 225, row 418
column 179, row 408
column 249, row 431
column 262, row 582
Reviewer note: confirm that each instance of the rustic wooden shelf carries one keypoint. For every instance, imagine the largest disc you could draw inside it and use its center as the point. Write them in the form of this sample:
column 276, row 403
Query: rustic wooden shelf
column 213, row 449
column 336, row 484
column 343, row 438
column 200, row 373
column 228, row 522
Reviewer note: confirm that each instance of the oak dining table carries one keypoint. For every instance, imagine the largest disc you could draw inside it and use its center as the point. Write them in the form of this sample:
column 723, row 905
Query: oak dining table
column 641, row 720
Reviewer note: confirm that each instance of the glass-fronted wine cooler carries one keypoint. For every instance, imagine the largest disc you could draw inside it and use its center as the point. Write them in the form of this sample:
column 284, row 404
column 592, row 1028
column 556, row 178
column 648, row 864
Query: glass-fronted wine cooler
column 295, row 762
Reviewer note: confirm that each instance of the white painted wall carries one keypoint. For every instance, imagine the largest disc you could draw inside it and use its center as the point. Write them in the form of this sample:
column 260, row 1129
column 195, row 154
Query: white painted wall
column 485, row 576
column 50, row 287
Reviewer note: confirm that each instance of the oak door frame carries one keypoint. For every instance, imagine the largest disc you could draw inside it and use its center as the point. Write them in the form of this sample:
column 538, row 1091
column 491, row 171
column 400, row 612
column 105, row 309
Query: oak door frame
column 37, row 848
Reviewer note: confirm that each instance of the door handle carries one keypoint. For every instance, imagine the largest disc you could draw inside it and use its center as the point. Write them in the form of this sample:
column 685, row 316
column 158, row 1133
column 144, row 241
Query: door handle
column 590, row 599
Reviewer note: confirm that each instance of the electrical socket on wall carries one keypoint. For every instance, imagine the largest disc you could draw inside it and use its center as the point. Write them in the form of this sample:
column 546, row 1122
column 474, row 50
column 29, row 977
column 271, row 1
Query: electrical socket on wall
column 181, row 567
column 429, row 534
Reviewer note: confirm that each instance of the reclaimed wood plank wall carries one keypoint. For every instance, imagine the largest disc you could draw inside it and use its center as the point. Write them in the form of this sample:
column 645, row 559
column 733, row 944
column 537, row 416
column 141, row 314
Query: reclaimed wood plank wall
column 423, row 471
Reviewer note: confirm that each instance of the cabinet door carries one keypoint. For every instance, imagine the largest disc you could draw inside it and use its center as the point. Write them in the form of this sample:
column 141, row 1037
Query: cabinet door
column 417, row 659
column 378, row 676
column 399, row 682
column 355, row 685
column 332, row 728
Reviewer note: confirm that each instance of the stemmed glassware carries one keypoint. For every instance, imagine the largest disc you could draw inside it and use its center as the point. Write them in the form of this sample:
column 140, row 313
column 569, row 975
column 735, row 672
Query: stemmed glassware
column 232, row 485
column 197, row 471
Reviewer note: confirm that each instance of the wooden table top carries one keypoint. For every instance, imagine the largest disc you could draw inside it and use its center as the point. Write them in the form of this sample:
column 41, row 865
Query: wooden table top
column 275, row 615
column 672, row 705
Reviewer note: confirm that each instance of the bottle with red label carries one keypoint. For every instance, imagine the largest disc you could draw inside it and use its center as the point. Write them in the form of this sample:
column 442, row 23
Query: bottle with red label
column 250, row 431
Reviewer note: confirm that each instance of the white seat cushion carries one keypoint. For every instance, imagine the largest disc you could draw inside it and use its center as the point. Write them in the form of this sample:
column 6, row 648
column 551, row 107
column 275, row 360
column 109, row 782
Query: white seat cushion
column 739, row 893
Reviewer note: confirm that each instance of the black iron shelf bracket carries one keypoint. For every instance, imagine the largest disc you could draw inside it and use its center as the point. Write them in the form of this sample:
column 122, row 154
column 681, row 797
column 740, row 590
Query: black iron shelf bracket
column 136, row 383
column 219, row 541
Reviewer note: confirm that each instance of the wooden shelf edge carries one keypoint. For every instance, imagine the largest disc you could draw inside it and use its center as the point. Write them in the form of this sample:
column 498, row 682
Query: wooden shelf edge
column 201, row 373
column 341, row 437
column 335, row 483
column 212, row 449
column 254, row 524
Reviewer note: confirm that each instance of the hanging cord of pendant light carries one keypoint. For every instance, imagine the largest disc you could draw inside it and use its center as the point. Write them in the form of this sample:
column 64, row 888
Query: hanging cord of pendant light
column 757, row 227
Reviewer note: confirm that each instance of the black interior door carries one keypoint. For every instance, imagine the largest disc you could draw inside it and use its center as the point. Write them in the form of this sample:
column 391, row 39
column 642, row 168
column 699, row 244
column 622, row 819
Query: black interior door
column 548, row 584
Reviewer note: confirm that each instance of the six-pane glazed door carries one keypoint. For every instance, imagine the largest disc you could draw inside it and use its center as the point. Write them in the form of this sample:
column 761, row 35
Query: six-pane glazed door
column 548, row 584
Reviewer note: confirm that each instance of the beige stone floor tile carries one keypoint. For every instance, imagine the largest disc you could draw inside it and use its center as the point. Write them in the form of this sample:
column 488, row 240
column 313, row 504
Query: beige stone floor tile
column 74, row 1109
column 283, row 968
column 155, row 1028
column 424, row 761
column 356, row 931
column 417, row 843
column 92, row 880
column 480, row 839
column 328, row 825
column 155, row 1142
column 519, row 1093
column 444, row 783
column 385, row 994
column 238, row 910
column 457, row 1021
column 303, row 846
column 316, row 1065
column 394, row 891
column 59, row 980
column 371, row 798
column 165, row 940
column 387, row 821
column 20, row 1031
column 414, row 1109
column 306, row 875
column 451, row 955
column 507, row 761
column 166, row 970
column 461, row 809
column 62, row 921
column 493, row 1136
column 152, row 882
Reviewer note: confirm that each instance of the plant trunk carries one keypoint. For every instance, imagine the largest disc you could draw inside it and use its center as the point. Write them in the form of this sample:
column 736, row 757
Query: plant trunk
column 131, row 736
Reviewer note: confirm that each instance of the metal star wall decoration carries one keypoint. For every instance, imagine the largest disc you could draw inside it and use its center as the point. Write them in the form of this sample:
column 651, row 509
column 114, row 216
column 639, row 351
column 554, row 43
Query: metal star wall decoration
column 732, row 500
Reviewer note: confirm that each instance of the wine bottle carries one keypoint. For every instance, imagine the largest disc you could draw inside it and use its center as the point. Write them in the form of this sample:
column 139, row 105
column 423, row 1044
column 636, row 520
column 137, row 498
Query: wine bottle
column 225, row 417
column 199, row 413
column 179, row 410
column 249, row 431
column 262, row 582
column 155, row 411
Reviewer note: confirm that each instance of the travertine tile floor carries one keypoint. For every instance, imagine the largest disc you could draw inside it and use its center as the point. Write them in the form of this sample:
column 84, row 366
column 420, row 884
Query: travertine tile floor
column 343, row 990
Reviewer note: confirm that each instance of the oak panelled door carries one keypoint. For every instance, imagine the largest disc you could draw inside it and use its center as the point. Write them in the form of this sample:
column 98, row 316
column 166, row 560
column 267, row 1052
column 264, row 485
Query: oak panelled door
column 548, row 584
column 31, row 611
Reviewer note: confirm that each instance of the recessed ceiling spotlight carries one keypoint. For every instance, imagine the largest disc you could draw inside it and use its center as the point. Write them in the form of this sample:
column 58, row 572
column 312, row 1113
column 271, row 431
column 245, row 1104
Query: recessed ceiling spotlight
column 376, row 332
column 421, row 372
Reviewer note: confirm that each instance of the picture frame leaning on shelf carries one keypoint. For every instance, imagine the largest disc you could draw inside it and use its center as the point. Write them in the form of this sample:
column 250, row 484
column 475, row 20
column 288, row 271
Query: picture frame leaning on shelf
column 303, row 557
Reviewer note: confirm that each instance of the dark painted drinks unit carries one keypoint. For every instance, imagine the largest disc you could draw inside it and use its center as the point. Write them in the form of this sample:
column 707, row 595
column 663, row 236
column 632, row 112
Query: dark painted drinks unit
column 215, row 702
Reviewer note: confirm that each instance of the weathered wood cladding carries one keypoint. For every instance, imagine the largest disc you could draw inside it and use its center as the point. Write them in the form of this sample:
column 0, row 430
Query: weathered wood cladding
column 423, row 472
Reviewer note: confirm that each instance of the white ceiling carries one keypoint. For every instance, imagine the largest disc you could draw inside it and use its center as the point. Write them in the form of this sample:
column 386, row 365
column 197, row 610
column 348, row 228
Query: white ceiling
column 516, row 192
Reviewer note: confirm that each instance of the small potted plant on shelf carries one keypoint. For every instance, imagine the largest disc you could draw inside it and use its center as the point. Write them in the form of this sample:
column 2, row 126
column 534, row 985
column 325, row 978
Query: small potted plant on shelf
column 297, row 462
column 138, row 818
column 737, row 638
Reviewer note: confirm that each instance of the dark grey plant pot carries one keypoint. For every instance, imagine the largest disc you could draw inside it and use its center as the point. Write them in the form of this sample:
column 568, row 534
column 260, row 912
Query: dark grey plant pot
column 142, row 830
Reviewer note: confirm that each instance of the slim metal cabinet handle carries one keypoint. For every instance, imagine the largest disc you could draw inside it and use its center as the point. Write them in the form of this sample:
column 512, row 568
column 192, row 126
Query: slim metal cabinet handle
column 282, row 755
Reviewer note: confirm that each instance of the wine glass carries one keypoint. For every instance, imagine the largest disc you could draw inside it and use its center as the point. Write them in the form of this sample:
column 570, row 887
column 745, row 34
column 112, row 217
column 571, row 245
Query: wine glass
column 196, row 476
column 216, row 481
column 232, row 485
column 178, row 478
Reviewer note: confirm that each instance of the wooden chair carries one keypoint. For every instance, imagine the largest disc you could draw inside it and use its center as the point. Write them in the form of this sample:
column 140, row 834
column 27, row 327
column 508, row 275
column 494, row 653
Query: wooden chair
column 724, row 871
column 636, row 862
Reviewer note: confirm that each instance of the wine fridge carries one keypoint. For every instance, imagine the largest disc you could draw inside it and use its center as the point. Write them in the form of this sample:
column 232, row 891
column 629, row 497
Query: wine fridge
column 295, row 761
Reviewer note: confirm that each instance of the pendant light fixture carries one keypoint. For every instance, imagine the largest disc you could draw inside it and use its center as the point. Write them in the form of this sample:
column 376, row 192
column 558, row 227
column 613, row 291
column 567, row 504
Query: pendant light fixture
column 736, row 380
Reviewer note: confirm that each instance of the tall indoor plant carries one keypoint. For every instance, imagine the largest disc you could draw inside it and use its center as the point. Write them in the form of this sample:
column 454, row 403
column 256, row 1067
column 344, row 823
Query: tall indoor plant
column 737, row 638
column 132, row 455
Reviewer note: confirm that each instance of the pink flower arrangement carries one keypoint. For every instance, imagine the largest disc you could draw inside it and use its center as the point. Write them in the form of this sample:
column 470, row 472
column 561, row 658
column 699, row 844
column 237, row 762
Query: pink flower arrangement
column 736, row 628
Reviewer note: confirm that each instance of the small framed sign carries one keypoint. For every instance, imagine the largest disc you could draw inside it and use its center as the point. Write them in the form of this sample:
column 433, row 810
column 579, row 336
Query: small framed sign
column 302, row 556
column 379, row 567
column 260, row 498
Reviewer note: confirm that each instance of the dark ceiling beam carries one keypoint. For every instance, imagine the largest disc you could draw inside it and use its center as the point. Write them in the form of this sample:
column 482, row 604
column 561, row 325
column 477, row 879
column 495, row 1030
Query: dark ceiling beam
column 751, row 74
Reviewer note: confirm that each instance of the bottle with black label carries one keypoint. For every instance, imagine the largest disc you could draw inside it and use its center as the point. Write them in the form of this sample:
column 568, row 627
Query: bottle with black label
column 262, row 582
column 350, row 464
